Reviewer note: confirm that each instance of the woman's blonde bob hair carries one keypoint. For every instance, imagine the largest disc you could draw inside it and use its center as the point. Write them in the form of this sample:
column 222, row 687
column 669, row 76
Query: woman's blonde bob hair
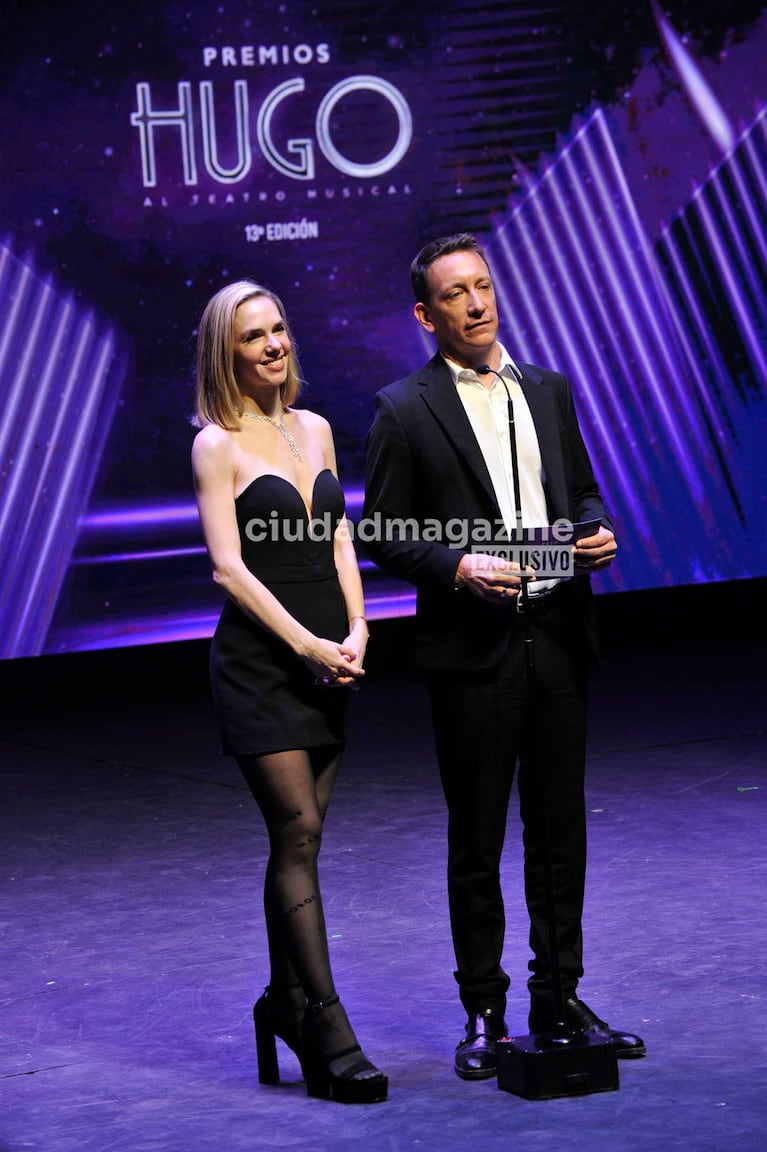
column 218, row 395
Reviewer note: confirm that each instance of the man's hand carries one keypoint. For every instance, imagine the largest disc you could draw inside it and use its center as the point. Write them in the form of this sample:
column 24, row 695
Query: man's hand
column 597, row 551
column 490, row 577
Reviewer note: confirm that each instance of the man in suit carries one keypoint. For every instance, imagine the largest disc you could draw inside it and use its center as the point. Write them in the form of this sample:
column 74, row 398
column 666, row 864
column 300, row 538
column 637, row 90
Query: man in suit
column 505, row 668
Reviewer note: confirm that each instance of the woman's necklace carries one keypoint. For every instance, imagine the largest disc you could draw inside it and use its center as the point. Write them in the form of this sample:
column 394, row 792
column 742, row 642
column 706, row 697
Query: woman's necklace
column 279, row 424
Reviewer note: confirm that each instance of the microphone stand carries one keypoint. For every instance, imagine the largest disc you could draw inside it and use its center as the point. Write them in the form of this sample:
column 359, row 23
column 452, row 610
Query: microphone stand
column 562, row 1062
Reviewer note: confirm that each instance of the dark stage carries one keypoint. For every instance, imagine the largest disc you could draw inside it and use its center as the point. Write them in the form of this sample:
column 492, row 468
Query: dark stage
column 133, row 937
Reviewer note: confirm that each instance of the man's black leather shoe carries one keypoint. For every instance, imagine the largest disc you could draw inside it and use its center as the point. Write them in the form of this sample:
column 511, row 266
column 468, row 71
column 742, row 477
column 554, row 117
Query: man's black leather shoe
column 580, row 1017
column 475, row 1057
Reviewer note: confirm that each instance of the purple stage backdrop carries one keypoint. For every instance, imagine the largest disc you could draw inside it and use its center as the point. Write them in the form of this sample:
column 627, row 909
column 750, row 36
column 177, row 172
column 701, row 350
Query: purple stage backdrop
column 613, row 162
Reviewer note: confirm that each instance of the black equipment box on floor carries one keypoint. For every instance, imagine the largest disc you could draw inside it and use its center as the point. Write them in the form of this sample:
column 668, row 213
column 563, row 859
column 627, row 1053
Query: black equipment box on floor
column 541, row 1067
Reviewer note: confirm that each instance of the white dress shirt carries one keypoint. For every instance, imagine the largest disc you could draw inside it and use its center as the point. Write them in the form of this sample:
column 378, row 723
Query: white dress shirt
column 485, row 401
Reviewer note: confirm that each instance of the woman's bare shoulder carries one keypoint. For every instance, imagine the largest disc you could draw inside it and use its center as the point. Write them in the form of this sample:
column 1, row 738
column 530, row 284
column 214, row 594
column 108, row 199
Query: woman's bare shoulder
column 311, row 422
column 213, row 444
column 214, row 436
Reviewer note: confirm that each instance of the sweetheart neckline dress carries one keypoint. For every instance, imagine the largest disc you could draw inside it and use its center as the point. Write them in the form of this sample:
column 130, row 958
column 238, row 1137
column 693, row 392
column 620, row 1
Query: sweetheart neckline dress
column 264, row 696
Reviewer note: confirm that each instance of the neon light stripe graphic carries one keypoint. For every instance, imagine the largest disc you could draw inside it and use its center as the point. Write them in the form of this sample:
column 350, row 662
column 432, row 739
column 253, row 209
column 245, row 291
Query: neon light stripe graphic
column 581, row 288
column 60, row 376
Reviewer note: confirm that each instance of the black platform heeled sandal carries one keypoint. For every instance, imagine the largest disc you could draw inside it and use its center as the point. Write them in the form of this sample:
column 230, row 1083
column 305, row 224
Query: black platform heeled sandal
column 344, row 1083
column 278, row 1015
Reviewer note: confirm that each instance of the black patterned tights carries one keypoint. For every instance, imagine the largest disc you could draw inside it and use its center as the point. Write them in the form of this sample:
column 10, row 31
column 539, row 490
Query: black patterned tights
column 292, row 790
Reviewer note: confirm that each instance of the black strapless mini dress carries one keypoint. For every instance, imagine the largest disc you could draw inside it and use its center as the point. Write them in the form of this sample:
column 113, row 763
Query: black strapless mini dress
column 265, row 698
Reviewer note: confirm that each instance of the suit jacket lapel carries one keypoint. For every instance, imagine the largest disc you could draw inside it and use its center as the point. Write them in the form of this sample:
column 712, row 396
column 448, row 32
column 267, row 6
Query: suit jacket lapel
column 441, row 397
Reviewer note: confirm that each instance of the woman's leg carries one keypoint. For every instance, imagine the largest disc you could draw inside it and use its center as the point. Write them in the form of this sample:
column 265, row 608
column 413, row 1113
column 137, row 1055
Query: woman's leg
column 283, row 980
column 293, row 791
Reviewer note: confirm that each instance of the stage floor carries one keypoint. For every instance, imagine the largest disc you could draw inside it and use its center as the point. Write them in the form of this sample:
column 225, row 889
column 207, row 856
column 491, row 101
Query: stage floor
column 133, row 941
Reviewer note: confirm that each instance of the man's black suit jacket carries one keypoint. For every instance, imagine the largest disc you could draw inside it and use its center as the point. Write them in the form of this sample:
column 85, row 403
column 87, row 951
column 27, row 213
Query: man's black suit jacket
column 424, row 462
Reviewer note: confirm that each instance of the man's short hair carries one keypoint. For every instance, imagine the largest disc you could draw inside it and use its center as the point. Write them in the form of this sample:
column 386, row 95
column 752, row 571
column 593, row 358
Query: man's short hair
column 442, row 246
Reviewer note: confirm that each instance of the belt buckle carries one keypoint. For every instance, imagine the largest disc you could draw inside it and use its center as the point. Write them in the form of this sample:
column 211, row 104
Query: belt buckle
column 533, row 600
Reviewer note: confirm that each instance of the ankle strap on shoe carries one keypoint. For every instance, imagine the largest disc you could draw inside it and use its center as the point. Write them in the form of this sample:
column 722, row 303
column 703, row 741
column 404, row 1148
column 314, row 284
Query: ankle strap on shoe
column 317, row 1006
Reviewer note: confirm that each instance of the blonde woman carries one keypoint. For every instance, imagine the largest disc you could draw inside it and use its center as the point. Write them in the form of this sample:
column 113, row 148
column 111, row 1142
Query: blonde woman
column 289, row 645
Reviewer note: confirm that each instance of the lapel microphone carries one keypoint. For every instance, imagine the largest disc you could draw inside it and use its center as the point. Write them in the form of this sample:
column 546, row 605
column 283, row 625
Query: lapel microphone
column 518, row 533
column 486, row 370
